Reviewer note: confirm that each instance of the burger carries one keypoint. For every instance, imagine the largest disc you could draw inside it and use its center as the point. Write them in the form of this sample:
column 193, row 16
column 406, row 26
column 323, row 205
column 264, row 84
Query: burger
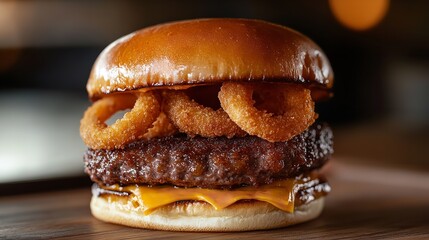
column 219, row 131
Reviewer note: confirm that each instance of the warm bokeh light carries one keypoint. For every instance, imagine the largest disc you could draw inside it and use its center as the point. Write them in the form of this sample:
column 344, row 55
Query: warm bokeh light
column 359, row 14
column 9, row 29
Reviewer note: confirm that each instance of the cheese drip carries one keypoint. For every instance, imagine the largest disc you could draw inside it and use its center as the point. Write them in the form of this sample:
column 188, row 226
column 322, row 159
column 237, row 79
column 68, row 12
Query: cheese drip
column 281, row 194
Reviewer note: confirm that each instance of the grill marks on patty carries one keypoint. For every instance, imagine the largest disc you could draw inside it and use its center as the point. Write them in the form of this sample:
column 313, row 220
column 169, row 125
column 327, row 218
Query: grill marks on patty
column 210, row 162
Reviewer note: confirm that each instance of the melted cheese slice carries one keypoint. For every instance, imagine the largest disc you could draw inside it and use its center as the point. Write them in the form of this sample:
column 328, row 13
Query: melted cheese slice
column 280, row 194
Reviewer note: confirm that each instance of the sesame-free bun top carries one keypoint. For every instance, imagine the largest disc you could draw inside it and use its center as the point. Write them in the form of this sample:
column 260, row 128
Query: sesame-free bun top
column 207, row 51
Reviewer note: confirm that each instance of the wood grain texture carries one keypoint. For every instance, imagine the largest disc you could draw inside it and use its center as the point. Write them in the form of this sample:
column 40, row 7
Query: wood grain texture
column 366, row 203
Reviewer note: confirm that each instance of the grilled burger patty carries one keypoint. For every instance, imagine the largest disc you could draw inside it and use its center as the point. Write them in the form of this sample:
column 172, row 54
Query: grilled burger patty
column 210, row 162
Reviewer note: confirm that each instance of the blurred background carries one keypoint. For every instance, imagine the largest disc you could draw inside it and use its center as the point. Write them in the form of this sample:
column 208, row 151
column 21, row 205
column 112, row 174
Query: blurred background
column 379, row 50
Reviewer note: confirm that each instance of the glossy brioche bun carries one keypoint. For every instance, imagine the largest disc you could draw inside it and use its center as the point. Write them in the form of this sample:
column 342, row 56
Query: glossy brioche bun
column 208, row 51
column 202, row 217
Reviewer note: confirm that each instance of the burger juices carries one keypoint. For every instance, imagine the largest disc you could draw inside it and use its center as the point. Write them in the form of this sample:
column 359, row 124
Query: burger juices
column 222, row 132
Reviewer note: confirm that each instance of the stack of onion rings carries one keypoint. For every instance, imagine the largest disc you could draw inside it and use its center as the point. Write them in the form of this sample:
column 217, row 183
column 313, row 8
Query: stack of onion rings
column 145, row 108
column 297, row 114
column 274, row 112
column 195, row 119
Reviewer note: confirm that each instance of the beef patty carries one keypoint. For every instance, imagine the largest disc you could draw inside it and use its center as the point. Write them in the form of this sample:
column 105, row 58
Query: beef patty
column 210, row 162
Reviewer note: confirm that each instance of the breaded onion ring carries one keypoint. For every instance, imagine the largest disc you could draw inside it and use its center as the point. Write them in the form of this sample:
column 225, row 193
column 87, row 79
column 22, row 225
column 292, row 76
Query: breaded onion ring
column 145, row 108
column 162, row 127
column 195, row 119
column 296, row 116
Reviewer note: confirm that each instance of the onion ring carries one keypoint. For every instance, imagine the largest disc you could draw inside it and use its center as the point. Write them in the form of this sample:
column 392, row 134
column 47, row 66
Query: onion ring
column 297, row 112
column 145, row 108
column 195, row 119
column 162, row 127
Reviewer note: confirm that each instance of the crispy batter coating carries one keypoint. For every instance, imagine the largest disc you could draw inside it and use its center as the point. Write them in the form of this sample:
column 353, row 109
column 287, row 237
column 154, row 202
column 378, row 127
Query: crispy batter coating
column 296, row 113
column 161, row 127
column 145, row 108
column 193, row 118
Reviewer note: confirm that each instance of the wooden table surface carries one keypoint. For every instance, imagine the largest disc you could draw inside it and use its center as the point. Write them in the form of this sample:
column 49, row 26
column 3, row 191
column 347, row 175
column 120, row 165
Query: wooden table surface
column 366, row 203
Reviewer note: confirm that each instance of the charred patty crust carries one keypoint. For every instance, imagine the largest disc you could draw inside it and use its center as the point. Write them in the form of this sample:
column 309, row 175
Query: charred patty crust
column 210, row 162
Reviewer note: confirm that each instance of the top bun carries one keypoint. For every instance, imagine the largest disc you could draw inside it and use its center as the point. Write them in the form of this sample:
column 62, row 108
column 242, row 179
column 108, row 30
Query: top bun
column 209, row 51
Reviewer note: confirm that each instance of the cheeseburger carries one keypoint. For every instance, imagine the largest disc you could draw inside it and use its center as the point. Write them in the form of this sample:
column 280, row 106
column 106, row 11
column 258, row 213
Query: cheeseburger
column 221, row 132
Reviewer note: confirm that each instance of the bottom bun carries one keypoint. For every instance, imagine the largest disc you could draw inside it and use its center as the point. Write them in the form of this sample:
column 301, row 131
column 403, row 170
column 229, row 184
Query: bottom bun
column 199, row 216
